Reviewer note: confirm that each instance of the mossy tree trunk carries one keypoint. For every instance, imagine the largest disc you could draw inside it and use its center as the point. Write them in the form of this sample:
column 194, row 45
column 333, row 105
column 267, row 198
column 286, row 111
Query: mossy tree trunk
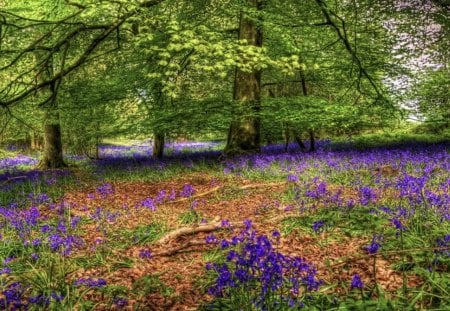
column 36, row 141
column 244, row 134
column 52, row 156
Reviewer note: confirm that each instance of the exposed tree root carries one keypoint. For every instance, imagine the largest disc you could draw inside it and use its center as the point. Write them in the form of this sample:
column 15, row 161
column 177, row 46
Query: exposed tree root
column 179, row 248
column 196, row 229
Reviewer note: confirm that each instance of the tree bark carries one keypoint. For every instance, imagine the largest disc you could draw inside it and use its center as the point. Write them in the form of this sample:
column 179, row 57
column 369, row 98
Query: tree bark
column 312, row 143
column 53, row 154
column 36, row 141
column 244, row 133
column 158, row 145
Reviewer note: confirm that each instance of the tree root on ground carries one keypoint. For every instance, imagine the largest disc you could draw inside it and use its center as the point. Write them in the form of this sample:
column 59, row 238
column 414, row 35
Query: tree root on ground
column 179, row 248
column 196, row 229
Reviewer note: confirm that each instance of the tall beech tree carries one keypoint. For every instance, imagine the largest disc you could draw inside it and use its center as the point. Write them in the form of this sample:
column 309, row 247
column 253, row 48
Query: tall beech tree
column 52, row 156
column 244, row 134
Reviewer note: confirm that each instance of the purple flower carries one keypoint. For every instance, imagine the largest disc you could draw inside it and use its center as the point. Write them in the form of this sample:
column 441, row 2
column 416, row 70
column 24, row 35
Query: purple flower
column 145, row 253
column 161, row 196
column 149, row 203
column 105, row 190
column 188, row 191
column 318, row 226
column 172, row 195
column 373, row 247
column 74, row 222
column 224, row 244
column 120, row 302
column 248, row 224
column 292, row 178
column 276, row 234
column 7, row 260
column 39, row 300
column 12, row 297
column 357, row 282
column 366, row 195
column 5, row 270
column 46, row 229
column 255, row 261
column 397, row 224
column 211, row 239
column 443, row 243
column 90, row 282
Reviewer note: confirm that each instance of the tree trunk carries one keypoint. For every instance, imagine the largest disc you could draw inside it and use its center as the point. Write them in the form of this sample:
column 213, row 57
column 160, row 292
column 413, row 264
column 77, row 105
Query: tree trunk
column 158, row 145
column 312, row 146
column 52, row 155
column 312, row 143
column 36, row 142
column 244, row 133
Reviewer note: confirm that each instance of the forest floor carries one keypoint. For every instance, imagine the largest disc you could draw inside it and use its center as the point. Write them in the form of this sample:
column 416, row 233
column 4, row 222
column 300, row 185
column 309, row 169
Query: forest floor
column 129, row 233
column 179, row 262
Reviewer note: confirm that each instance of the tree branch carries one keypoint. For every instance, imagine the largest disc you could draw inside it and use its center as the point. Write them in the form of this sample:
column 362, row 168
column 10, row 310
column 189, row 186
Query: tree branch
column 106, row 31
column 342, row 34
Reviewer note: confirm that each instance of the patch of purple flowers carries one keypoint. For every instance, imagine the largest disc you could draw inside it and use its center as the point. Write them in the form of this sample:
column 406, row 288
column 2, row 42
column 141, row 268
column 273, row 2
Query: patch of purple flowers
column 258, row 267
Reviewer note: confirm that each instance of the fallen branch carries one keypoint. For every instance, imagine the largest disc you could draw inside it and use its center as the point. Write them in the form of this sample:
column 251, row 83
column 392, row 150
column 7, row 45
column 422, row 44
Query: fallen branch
column 197, row 229
column 181, row 247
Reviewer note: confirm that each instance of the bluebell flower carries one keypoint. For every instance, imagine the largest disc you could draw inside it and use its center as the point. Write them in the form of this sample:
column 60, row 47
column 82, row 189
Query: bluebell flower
column 318, row 226
column 149, row 203
column 5, row 270
column 292, row 178
column 46, row 229
column 211, row 239
column 357, row 282
column 373, row 247
column 120, row 302
column 145, row 253
column 90, row 282
column 188, row 191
